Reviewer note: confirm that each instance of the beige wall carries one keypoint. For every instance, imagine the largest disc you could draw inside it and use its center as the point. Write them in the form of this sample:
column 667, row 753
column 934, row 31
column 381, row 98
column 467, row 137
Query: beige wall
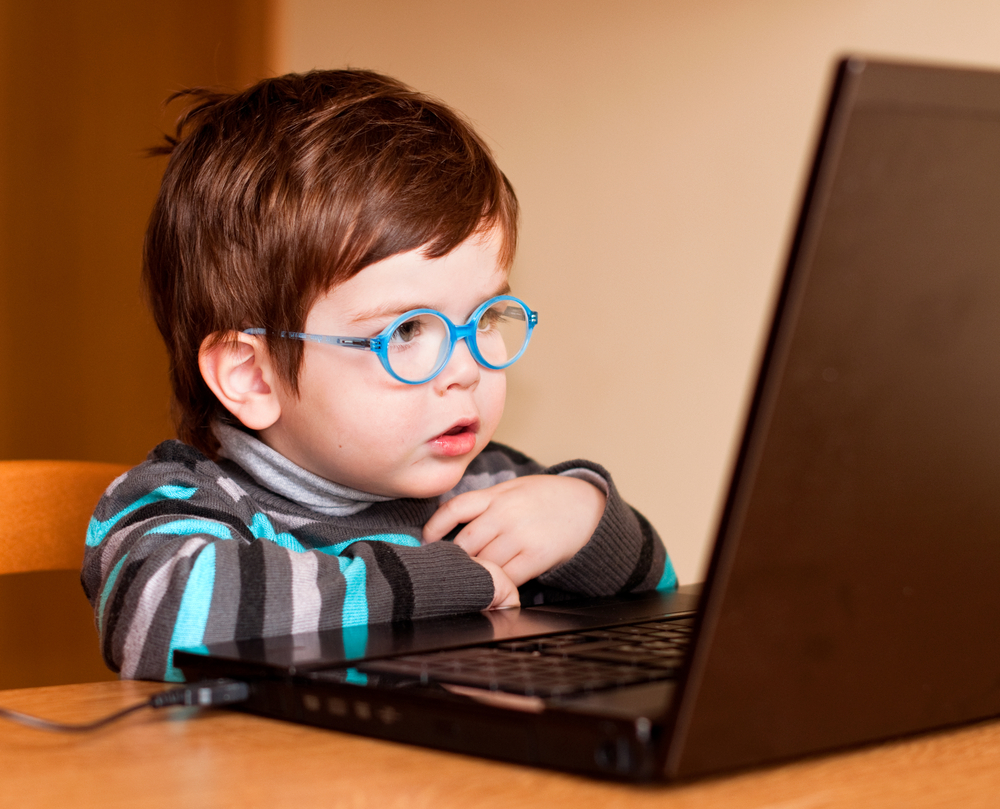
column 658, row 148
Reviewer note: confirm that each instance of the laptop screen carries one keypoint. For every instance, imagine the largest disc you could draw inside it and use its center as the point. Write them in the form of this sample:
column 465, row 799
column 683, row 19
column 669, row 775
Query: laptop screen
column 861, row 546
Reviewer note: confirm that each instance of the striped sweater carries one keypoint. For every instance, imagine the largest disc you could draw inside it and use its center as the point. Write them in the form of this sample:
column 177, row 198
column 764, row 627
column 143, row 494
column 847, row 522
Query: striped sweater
column 184, row 551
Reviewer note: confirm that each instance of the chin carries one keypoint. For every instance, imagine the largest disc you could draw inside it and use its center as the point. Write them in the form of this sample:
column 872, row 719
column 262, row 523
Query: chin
column 425, row 492
column 433, row 484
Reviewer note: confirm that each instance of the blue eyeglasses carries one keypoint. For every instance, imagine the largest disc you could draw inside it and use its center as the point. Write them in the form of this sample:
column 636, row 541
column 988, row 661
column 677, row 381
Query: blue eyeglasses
column 417, row 345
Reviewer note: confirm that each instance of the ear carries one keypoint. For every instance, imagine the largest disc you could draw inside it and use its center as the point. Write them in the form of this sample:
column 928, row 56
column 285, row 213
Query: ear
column 238, row 370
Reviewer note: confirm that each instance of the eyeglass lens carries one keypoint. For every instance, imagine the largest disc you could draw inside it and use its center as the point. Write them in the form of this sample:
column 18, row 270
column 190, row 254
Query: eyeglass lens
column 419, row 345
column 501, row 332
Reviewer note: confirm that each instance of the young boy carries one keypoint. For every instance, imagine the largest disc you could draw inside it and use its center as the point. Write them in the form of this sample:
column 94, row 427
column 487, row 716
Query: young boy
column 328, row 264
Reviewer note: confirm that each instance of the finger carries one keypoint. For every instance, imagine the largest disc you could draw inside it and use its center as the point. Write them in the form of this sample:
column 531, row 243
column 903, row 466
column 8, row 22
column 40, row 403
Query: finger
column 522, row 567
column 478, row 534
column 504, row 590
column 510, row 599
column 499, row 549
column 461, row 509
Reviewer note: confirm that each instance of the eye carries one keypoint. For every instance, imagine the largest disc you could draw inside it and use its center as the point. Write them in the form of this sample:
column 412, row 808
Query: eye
column 407, row 331
column 500, row 315
column 491, row 318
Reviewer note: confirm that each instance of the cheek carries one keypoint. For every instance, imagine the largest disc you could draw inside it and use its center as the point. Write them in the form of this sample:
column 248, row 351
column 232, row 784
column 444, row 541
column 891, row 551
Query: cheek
column 343, row 400
column 383, row 414
column 494, row 393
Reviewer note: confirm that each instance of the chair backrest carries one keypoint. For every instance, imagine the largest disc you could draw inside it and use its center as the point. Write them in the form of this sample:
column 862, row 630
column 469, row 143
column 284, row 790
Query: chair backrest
column 45, row 507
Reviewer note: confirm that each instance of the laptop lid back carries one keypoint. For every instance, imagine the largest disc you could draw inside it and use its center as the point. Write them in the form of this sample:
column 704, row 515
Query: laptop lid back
column 854, row 592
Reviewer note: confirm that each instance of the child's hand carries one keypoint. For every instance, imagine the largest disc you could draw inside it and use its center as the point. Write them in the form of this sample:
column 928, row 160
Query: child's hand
column 526, row 525
column 504, row 590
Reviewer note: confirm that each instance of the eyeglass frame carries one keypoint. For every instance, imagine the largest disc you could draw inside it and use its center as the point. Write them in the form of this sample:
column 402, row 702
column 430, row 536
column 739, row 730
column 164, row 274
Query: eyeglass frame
column 379, row 344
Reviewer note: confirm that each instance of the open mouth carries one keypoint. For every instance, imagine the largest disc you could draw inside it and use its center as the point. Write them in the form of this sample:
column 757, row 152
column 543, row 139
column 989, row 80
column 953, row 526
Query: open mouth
column 458, row 440
column 462, row 427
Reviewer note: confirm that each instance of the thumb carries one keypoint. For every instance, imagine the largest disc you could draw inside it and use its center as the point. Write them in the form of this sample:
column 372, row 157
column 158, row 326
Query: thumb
column 504, row 590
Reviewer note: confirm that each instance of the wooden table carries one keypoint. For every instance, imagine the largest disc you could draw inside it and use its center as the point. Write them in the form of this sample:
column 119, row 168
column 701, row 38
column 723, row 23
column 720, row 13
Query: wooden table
column 178, row 758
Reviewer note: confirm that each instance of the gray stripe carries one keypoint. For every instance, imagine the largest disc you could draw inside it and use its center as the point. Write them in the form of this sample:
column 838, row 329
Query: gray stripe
column 306, row 598
column 277, row 589
column 332, row 588
column 588, row 475
column 133, row 533
column 149, row 601
column 232, row 488
column 288, row 522
column 473, row 483
column 221, row 624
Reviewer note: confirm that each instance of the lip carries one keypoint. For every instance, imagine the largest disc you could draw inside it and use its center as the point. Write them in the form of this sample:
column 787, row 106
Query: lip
column 458, row 439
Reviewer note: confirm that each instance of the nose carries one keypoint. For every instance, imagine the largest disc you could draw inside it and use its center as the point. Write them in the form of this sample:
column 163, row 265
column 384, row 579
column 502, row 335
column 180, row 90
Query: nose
column 461, row 370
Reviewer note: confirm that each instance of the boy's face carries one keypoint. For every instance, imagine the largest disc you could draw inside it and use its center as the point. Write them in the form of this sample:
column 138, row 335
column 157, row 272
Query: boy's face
column 354, row 424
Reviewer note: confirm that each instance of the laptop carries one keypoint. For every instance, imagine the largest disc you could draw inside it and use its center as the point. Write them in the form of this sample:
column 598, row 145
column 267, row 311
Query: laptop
column 853, row 594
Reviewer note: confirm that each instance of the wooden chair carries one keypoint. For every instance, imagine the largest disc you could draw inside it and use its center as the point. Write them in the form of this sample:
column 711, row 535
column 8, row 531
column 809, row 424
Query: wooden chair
column 47, row 633
column 46, row 506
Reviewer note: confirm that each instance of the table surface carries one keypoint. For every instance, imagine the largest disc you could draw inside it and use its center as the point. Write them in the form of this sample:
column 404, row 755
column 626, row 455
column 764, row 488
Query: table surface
column 217, row 758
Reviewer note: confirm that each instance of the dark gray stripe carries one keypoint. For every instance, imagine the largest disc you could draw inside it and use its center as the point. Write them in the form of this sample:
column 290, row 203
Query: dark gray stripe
column 253, row 591
column 222, row 616
column 278, row 594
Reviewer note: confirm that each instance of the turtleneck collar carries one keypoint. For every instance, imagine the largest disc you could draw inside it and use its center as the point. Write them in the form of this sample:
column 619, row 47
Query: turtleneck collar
column 274, row 471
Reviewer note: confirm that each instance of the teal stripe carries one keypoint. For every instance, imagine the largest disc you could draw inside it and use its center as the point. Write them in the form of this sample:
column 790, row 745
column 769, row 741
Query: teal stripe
column 355, row 677
column 192, row 617
column 355, row 641
column 108, row 587
column 186, row 528
column 261, row 528
column 97, row 530
column 355, row 644
column 394, row 539
column 355, row 603
column 668, row 581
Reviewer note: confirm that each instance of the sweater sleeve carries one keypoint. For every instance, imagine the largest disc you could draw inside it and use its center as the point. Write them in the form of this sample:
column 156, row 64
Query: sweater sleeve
column 177, row 555
column 624, row 555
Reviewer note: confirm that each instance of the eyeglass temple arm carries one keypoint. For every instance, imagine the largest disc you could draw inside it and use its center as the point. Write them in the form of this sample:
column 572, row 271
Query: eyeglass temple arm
column 363, row 343
column 517, row 313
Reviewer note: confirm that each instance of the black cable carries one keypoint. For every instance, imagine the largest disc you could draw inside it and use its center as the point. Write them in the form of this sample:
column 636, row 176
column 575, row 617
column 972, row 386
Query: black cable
column 203, row 695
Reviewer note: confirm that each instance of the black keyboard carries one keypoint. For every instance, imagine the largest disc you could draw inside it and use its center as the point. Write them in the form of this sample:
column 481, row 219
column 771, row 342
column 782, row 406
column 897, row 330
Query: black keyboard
column 553, row 665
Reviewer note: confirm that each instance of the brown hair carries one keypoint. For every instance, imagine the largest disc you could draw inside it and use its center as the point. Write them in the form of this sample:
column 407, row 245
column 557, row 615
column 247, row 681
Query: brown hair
column 275, row 195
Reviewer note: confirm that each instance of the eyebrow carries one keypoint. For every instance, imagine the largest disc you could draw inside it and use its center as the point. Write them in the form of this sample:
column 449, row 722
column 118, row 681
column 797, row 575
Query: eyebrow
column 394, row 309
